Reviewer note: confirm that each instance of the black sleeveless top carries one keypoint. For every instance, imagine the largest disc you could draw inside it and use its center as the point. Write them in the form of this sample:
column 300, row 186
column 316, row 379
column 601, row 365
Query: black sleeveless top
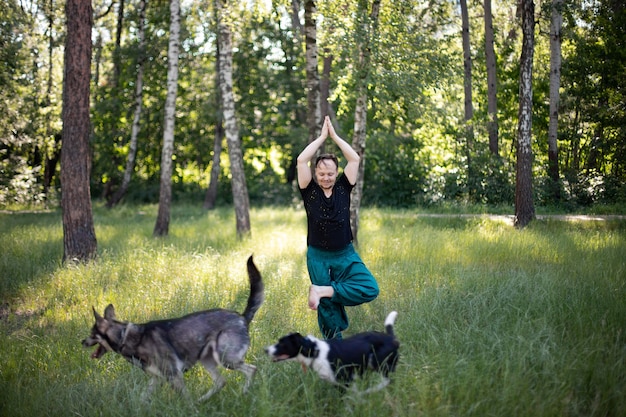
column 328, row 219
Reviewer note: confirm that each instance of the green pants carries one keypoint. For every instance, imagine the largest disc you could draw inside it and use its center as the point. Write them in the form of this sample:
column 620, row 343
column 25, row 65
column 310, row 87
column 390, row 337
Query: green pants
column 353, row 283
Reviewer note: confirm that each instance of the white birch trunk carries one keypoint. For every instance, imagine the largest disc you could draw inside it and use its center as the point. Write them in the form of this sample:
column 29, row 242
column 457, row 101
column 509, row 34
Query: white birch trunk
column 492, row 87
column 314, row 114
column 161, row 227
column 555, row 85
column 367, row 27
column 524, row 206
column 132, row 151
column 235, row 153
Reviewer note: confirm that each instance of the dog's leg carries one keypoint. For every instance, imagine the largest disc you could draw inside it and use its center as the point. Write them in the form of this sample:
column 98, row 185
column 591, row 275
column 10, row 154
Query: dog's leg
column 249, row 371
column 382, row 384
column 177, row 382
column 145, row 397
column 218, row 380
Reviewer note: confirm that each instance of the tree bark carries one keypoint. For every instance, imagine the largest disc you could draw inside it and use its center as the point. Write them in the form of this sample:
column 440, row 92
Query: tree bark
column 325, row 83
column 314, row 114
column 492, row 87
column 467, row 67
column 118, row 45
column 79, row 236
column 132, row 151
column 524, row 206
column 161, row 227
column 51, row 149
column 211, row 193
column 467, row 88
column 295, row 19
column 235, row 153
column 555, row 85
column 367, row 26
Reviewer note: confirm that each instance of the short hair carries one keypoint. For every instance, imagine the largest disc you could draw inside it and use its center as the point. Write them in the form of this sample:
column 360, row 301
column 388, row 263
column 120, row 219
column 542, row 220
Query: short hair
column 326, row 156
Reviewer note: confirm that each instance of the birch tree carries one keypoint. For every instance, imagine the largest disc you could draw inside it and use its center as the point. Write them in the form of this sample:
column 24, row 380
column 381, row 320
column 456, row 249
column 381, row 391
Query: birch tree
column 367, row 25
column 556, row 22
column 161, row 228
column 132, row 146
column 524, row 206
column 79, row 236
column 235, row 153
column 492, row 88
column 467, row 88
column 211, row 193
column 314, row 116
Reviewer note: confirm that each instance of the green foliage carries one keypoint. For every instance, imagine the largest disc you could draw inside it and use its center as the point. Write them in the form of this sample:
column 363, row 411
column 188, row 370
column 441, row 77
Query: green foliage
column 394, row 175
column 492, row 320
column 416, row 152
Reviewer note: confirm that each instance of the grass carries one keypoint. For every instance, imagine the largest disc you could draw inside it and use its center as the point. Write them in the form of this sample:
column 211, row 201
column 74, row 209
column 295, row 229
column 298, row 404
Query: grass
column 493, row 321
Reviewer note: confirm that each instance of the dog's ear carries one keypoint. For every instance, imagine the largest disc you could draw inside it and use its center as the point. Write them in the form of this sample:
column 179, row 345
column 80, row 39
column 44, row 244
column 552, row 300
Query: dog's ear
column 109, row 312
column 97, row 316
column 102, row 324
column 309, row 347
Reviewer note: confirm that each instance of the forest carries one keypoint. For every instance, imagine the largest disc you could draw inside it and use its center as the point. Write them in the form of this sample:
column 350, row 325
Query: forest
column 441, row 82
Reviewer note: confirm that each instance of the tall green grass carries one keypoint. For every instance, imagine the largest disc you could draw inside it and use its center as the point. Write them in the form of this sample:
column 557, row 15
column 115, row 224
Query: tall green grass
column 493, row 321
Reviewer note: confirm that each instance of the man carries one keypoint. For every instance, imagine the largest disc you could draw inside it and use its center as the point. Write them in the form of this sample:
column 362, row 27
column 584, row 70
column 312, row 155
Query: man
column 339, row 277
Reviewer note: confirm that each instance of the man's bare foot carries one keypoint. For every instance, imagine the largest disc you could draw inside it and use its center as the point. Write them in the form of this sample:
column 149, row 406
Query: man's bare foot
column 317, row 292
column 314, row 298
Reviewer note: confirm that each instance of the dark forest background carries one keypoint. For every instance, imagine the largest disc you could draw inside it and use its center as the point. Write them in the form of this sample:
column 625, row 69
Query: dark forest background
column 418, row 149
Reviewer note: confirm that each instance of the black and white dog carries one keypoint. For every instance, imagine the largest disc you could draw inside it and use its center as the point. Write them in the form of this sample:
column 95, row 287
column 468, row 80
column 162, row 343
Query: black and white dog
column 340, row 361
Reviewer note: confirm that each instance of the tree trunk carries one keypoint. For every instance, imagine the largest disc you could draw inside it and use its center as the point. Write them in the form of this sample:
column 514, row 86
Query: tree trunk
column 132, row 151
column 239, row 187
column 79, row 236
column 296, row 26
column 524, row 206
column 492, row 87
column 325, row 83
column 467, row 67
column 314, row 115
column 467, row 88
column 118, row 45
column 555, row 85
column 367, row 26
column 211, row 193
column 161, row 228
column 51, row 148
column 292, row 51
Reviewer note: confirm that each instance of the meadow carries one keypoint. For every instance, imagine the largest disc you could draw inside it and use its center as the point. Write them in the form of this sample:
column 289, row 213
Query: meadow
column 492, row 321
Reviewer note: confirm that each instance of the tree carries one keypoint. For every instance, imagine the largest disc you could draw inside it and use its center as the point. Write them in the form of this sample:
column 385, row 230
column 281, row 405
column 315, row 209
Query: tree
column 556, row 22
column 314, row 115
column 235, row 153
column 367, row 25
column 51, row 150
column 79, row 236
column 132, row 148
column 211, row 192
column 467, row 88
column 524, row 206
column 492, row 88
column 161, row 228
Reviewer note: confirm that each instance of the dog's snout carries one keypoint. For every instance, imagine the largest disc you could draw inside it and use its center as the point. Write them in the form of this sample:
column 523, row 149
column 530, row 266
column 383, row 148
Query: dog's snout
column 88, row 342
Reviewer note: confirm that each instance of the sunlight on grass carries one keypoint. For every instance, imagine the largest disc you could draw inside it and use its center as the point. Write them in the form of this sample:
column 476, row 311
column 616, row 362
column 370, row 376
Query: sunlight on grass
column 492, row 320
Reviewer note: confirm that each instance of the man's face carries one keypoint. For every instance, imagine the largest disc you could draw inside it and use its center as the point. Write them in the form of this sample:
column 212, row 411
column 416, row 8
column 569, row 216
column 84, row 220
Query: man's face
column 326, row 173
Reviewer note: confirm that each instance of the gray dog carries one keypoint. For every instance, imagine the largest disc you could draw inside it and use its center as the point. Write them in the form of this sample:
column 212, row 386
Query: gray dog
column 167, row 348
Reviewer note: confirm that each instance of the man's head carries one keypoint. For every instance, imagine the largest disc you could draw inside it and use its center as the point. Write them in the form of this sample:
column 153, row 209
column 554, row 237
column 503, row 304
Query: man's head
column 326, row 170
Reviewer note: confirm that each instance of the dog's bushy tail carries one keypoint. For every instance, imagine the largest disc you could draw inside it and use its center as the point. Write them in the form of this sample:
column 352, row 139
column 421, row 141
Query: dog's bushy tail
column 389, row 321
column 257, row 295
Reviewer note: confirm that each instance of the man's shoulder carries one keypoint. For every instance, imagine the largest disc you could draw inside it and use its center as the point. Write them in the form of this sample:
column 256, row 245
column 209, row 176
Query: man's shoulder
column 343, row 182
